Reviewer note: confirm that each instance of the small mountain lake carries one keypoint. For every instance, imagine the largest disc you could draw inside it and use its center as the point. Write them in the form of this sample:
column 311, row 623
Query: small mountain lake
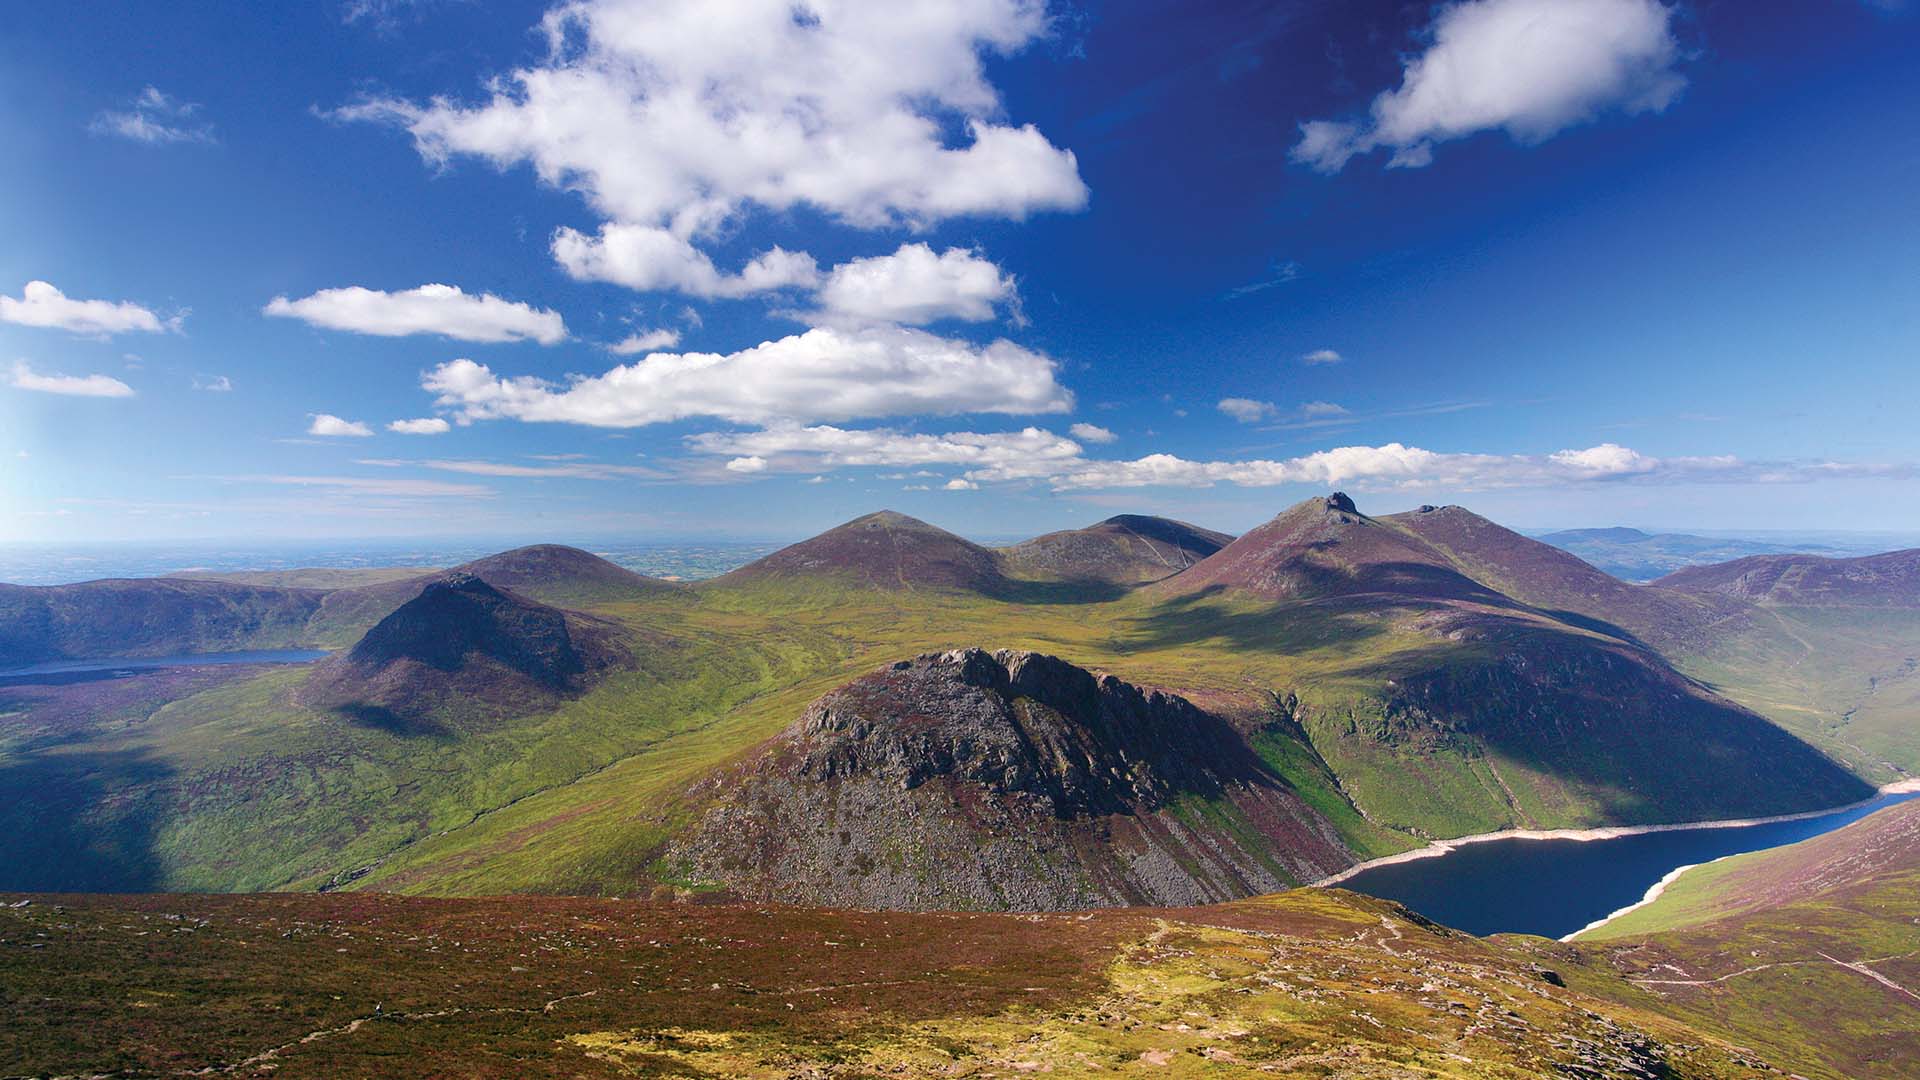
column 107, row 665
column 1557, row 887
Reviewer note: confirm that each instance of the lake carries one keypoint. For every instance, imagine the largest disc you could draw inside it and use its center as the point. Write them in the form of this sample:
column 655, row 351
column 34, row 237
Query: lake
column 110, row 664
column 1556, row 887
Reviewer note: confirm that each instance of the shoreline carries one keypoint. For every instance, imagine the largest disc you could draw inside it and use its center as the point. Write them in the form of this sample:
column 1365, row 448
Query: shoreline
column 1606, row 832
column 1653, row 893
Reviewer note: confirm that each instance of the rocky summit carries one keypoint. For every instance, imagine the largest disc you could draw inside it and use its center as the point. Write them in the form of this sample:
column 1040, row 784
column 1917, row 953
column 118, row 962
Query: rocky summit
column 1325, row 547
column 1008, row 780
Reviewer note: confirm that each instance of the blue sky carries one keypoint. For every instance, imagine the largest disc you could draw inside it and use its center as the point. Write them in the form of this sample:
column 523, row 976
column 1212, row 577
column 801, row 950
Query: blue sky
column 728, row 267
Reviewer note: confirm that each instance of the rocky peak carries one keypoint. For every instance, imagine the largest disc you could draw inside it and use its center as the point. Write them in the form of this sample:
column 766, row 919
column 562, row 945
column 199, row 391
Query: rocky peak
column 1016, row 723
column 1339, row 501
column 1010, row 779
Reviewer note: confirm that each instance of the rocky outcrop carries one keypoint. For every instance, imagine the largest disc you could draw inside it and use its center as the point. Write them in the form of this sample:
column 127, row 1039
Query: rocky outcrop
column 1009, row 780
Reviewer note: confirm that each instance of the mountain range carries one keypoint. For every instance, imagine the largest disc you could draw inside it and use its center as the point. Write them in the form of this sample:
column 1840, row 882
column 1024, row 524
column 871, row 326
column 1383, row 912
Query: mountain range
column 1345, row 687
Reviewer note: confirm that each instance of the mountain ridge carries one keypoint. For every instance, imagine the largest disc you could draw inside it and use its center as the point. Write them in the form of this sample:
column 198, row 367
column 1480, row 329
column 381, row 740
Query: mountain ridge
column 1887, row 580
column 1324, row 548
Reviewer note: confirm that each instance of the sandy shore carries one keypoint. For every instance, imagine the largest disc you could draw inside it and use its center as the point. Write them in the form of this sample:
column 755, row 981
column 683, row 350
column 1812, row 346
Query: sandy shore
column 1610, row 832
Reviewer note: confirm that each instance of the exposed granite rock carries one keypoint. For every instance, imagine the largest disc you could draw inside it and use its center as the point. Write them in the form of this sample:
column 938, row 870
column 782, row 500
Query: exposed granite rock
column 1009, row 780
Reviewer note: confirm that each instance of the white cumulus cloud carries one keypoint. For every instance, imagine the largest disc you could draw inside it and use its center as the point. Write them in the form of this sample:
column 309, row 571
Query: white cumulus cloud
column 430, row 309
column 25, row 378
column 1028, row 453
column 823, row 374
column 677, row 119
column 1322, row 356
column 426, row 425
column 331, row 426
column 646, row 258
column 1607, row 459
column 1246, row 410
column 1037, row 455
column 1092, row 433
column 40, row 304
column 1529, row 67
column 682, row 112
column 645, row 341
column 915, row 286
column 1395, row 466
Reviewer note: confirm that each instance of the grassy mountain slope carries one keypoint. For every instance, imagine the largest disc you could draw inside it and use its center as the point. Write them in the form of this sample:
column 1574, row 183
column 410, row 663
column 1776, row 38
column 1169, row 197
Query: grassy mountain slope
column 1809, row 953
column 241, row 782
column 1845, row 679
column 1128, row 549
column 312, row 577
column 148, row 617
column 882, row 550
column 1309, row 983
column 1889, row 580
column 1464, row 709
column 1561, row 584
column 1879, row 847
column 1829, row 649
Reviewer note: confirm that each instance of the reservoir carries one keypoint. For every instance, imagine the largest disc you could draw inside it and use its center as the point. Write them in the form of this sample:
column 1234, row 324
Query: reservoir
column 1556, row 887
column 67, row 668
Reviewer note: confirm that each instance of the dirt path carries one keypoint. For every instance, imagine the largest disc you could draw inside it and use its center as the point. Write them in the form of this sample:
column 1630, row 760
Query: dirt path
column 1860, row 967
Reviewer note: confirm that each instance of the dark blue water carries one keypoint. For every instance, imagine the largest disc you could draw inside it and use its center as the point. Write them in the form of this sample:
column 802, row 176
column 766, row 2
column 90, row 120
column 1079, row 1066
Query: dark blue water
column 1556, row 887
column 112, row 664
